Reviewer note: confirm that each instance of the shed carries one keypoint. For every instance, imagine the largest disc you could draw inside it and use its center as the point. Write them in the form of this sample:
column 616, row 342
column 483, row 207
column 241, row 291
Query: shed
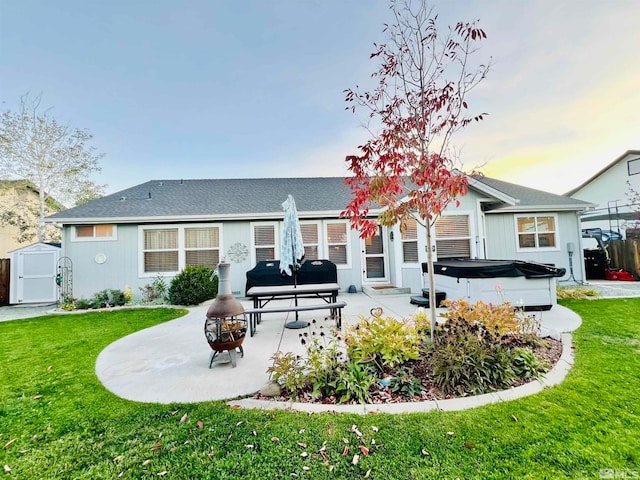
column 33, row 274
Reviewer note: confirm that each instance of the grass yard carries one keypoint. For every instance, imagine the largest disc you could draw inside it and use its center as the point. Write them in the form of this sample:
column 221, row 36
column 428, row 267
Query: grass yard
column 57, row 421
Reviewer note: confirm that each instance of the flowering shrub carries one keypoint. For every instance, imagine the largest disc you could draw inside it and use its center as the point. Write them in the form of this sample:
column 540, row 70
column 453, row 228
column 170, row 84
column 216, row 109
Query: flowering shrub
column 501, row 319
column 384, row 342
column 128, row 294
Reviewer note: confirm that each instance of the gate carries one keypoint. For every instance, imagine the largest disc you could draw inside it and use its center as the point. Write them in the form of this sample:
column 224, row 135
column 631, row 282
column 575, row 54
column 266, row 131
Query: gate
column 5, row 275
column 64, row 280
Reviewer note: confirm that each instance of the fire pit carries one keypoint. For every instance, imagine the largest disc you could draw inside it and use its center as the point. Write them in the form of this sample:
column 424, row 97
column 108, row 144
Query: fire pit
column 226, row 325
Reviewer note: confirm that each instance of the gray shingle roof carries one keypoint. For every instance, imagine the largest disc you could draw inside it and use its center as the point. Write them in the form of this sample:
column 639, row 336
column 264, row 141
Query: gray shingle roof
column 210, row 199
column 215, row 198
column 530, row 198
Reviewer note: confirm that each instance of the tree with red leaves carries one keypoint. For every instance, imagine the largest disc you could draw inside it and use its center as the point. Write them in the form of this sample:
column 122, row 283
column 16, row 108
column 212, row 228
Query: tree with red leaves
column 408, row 169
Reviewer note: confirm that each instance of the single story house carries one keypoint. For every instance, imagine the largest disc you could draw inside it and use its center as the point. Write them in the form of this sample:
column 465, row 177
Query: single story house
column 159, row 227
column 609, row 191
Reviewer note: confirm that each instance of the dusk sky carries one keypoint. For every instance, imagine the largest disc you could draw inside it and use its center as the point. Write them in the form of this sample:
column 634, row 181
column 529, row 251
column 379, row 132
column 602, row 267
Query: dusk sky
column 254, row 88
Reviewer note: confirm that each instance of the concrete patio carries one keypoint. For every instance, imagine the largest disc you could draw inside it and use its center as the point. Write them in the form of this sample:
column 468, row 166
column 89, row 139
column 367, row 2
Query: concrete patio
column 170, row 362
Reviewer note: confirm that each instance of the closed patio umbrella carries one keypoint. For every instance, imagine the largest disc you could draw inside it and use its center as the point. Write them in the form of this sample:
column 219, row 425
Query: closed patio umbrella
column 292, row 252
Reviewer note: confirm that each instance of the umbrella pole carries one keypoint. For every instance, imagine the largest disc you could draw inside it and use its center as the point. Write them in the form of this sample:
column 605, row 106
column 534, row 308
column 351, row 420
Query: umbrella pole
column 297, row 323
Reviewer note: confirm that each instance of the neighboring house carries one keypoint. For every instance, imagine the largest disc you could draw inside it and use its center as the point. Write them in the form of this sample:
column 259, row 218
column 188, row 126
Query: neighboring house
column 19, row 205
column 159, row 227
column 609, row 191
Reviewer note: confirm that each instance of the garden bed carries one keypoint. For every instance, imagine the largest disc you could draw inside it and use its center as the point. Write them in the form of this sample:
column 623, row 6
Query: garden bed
column 480, row 348
column 549, row 353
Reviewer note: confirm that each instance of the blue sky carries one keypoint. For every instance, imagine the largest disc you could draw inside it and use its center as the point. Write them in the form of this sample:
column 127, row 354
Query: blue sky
column 254, row 88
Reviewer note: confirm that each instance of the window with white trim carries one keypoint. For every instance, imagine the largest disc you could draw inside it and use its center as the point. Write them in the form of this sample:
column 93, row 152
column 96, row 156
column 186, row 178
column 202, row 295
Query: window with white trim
column 337, row 237
column 409, row 238
column 264, row 241
column 160, row 250
column 89, row 233
column 202, row 246
column 536, row 232
column 453, row 236
column 168, row 249
column 311, row 239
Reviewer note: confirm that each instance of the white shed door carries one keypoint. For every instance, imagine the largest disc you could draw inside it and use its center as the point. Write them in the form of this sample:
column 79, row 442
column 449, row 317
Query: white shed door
column 36, row 277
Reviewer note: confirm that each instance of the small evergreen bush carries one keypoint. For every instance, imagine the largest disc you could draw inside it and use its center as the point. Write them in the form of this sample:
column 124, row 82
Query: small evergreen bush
column 192, row 286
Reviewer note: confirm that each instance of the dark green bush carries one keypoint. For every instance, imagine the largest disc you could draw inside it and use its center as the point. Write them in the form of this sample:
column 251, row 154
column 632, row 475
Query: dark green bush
column 83, row 304
column 192, row 286
column 116, row 297
column 100, row 299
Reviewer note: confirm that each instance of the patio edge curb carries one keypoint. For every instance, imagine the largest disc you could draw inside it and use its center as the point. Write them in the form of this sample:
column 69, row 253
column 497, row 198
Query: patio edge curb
column 553, row 377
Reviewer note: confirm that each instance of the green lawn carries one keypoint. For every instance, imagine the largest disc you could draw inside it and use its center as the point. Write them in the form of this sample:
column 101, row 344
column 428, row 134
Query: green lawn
column 57, row 421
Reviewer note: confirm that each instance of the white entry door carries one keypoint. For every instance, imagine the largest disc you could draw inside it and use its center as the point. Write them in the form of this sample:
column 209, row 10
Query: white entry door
column 36, row 277
column 375, row 262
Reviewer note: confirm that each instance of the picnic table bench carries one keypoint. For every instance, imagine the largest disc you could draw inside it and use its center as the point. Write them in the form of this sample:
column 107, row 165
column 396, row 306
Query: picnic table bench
column 316, row 279
column 262, row 295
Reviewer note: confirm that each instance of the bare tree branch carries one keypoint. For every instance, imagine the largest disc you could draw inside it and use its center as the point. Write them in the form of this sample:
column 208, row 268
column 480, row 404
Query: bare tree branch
column 55, row 157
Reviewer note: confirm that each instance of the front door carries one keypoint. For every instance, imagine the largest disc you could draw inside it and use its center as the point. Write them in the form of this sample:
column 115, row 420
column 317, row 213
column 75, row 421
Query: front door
column 374, row 259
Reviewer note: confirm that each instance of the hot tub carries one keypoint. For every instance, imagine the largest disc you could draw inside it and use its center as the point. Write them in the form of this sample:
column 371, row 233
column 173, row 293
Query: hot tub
column 532, row 285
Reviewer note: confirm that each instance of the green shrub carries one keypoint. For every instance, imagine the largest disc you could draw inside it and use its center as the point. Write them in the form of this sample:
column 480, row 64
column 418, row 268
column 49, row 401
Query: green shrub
column 323, row 363
column 384, row 342
column 117, row 297
column 192, row 286
column 468, row 359
column 288, row 370
column 354, row 383
column 155, row 291
column 102, row 299
column 83, row 304
column 405, row 383
column 526, row 364
column 99, row 300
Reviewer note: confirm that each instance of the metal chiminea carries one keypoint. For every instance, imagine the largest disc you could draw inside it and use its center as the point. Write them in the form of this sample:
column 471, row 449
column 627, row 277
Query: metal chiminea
column 226, row 323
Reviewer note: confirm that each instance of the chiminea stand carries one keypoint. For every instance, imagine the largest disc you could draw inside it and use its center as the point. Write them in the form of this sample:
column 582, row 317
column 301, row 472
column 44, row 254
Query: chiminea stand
column 226, row 324
column 225, row 335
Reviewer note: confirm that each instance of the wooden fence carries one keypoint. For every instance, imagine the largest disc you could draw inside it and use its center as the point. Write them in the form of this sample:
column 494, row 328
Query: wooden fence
column 625, row 254
column 5, row 275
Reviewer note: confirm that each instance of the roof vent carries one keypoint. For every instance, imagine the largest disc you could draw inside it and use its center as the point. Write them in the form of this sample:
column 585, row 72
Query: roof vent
column 149, row 195
column 123, row 198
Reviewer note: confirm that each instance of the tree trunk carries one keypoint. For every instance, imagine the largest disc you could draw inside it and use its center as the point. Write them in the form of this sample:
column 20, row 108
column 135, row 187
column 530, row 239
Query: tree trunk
column 41, row 214
column 432, row 283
